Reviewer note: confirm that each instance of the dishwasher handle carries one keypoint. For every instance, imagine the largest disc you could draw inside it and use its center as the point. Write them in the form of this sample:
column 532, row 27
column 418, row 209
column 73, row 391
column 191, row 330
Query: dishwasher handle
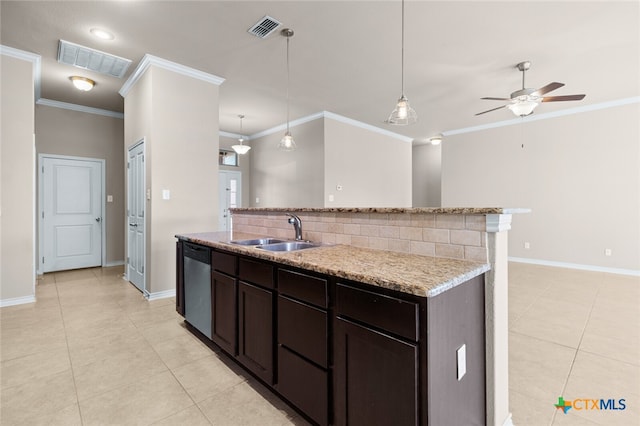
column 197, row 252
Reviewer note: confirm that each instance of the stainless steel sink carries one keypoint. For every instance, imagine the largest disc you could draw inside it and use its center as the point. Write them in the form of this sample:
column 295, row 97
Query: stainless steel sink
column 288, row 246
column 257, row 241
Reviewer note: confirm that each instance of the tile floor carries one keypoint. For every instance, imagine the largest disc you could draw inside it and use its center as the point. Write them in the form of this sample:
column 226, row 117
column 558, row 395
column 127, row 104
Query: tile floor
column 93, row 351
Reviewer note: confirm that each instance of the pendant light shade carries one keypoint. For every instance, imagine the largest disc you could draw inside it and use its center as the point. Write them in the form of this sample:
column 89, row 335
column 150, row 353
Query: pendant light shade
column 287, row 143
column 402, row 114
column 241, row 149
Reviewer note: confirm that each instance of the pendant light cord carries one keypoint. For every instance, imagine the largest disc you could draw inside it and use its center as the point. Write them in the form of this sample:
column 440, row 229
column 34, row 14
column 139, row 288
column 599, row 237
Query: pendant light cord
column 402, row 51
column 288, row 37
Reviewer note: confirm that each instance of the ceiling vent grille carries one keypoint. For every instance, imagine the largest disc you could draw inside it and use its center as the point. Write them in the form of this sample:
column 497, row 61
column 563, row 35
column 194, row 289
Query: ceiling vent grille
column 91, row 59
column 264, row 27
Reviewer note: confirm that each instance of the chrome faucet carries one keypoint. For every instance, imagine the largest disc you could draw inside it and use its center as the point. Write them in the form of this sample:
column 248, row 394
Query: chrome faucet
column 297, row 225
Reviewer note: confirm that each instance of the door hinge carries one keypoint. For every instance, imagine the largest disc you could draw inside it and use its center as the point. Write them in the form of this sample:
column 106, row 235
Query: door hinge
column 143, row 269
column 42, row 259
column 43, row 215
column 128, row 165
column 42, row 169
column 127, row 260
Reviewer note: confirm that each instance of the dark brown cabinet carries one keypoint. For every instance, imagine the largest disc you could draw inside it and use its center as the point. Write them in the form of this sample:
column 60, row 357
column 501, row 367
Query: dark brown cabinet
column 255, row 330
column 376, row 359
column 303, row 341
column 376, row 377
column 223, row 311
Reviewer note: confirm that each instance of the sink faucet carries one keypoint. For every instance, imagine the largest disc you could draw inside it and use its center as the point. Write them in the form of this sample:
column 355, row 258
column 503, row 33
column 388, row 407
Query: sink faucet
column 297, row 225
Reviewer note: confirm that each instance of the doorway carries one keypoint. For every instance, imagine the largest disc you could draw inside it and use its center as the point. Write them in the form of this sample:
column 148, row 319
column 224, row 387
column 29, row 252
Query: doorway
column 230, row 196
column 135, row 216
column 72, row 212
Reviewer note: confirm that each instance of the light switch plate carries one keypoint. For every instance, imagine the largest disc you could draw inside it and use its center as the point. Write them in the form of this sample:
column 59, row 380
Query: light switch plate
column 461, row 355
column 109, row 198
column 166, row 194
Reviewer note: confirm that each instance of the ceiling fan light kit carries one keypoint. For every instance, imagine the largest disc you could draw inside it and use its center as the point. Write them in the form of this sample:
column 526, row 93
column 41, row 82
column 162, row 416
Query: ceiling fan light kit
column 525, row 100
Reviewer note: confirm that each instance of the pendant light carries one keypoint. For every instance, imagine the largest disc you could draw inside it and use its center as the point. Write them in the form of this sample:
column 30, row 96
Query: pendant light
column 241, row 149
column 287, row 143
column 402, row 114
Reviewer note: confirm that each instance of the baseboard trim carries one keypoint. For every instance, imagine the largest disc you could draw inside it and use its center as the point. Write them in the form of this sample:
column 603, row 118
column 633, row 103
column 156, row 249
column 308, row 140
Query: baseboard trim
column 160, row 295
column 116, row 263
column 18, row 301
column 593, row 268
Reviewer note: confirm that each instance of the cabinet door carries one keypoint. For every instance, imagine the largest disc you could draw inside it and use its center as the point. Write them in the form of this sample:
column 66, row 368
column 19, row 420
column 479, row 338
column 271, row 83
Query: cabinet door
column 376, row 378
column 179, row 279
column 223, row 316
column 255, row 332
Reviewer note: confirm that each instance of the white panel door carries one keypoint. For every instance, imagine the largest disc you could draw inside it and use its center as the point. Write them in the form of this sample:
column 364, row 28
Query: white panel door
column 229, row 196
column 72, row 214
column 135, row 216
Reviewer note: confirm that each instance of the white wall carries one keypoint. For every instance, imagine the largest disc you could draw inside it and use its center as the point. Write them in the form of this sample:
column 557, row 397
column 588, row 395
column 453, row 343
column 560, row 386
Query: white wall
column 426, row 175
column 293, row 178
column 17, row 168
column 580, row 174
column 178, row 116
column 374, row 170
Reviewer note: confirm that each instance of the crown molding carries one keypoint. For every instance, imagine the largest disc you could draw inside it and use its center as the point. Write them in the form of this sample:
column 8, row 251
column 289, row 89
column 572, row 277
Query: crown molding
column 149, row 60
column 80, row 108
column 332, row 116
column 545, row 116
column 233, row 135
column 366, row 126
column 35, row 59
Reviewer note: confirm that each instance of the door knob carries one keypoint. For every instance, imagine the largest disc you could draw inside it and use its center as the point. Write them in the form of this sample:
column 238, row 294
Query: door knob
column 98, row 219
column 133, row 224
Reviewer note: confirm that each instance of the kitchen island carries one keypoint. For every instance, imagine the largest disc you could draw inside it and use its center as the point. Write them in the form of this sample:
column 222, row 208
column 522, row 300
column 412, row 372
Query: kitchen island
column 394, row 319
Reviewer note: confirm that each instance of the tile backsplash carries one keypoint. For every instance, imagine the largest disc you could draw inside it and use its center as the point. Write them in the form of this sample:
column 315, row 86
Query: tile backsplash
column 459, row 236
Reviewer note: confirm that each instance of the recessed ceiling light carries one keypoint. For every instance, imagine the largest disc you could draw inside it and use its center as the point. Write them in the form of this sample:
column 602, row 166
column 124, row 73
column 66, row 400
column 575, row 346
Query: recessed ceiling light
column 103, row 34
column 82, row 83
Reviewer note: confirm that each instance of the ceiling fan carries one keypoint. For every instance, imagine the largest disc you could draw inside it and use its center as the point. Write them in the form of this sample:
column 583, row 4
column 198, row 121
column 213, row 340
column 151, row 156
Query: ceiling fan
column 522, row 102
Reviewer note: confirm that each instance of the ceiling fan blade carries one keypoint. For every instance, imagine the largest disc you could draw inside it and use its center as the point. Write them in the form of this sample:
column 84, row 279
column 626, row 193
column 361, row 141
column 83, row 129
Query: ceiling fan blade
column 563, row 98
column 548, row 88
column 497, row 99
column 489, row 110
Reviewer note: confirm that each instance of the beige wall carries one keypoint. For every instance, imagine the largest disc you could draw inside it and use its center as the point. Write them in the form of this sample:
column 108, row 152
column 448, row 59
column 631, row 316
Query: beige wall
column 374, row 170
column 178, row 116
column 426, row 171
column 79, row 134
column 244, row 167
column 289, row 179
column 580, row 175
column 17, row 168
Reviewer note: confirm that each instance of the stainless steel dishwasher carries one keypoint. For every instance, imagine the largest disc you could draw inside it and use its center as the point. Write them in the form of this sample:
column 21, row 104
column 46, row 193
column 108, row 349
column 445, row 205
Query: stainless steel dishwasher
column 197, row 287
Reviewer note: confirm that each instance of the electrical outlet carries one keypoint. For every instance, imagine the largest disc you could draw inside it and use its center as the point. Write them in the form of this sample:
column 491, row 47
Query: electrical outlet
column 461, row 356
column 330, row 198
column 527, row 245
column 257, row 200
column 607, row 252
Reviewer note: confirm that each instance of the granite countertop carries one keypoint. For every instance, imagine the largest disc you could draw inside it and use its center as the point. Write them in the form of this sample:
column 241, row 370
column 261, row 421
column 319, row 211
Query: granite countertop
column 423, row 276
column 433, row 210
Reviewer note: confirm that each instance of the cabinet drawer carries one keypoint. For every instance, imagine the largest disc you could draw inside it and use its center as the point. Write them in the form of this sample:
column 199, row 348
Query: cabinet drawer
column 303, row 384
column 303, row 287
column 394, row 315
column 256, row 272
column 223, row 262
column 303, row 329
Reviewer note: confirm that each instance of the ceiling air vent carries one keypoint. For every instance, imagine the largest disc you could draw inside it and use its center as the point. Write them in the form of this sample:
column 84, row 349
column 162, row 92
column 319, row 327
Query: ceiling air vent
column 264, row 27
column 91, row 59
